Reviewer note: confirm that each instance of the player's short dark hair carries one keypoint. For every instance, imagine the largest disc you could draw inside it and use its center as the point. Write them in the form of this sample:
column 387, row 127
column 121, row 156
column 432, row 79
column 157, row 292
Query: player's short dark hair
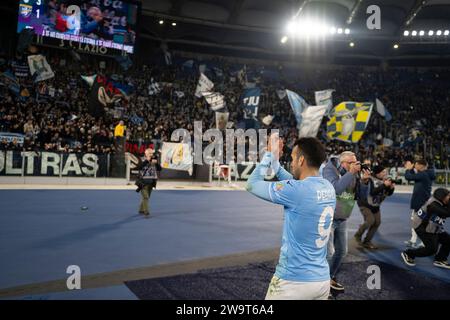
column 313, row 151
column 422, row 162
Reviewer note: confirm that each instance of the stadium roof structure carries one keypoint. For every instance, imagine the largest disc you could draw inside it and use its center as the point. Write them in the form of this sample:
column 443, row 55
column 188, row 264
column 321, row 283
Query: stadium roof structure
column 255, row 27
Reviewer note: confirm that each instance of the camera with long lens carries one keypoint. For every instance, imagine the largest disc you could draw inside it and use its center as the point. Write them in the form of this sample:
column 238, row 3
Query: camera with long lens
column 139, row 185
column 365, row 166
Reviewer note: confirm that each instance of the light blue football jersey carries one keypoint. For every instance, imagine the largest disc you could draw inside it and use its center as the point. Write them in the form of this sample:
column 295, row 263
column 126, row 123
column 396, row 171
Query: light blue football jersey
column 308, row 214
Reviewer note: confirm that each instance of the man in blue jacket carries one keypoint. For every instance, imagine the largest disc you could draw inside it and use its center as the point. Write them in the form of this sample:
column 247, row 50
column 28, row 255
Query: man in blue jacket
column 423, row 180
column 342, row 172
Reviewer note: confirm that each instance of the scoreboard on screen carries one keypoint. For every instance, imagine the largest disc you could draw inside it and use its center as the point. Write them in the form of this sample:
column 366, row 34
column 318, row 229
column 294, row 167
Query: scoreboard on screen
column 97, row 26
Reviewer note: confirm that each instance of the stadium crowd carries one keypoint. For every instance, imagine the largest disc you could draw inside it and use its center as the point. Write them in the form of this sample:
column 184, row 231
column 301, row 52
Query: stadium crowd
column 53, row 114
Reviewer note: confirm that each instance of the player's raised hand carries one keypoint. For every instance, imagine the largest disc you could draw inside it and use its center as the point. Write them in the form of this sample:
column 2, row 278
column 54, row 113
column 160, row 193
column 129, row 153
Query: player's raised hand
column 409, row 165
column 275, row 145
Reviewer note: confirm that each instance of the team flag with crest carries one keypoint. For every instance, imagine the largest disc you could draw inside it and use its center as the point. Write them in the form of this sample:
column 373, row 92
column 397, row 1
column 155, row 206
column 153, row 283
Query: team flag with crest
column 348, row 121
column 39, row 68
column 176, row 156
column 222, row 120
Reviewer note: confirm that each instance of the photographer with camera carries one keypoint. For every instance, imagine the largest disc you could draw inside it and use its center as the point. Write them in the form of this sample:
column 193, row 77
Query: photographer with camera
column 343, row 172
column 378, row 186
column 148, row 177
column 428, row 223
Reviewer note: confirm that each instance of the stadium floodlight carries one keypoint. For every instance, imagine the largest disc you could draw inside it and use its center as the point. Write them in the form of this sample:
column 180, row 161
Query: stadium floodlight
column 421, row 33
column 446, row 33
column 284, row 39
column 161, row 21
column 307, row 28
column 347, row 31
column 292, row 26
column 174, row 24
column 352, row 44
column 406, row 33
column 339, row 30
column 396, row 46
column 333, row 30
column 414, row 33
column 430, row 33
column 439, row 32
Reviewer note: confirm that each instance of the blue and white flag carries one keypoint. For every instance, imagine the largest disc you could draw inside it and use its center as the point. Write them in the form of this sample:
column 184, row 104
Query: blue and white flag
column 10, row 81
column 311, row 119
column 215, row 100
column 204, row 85
column 324, row 97
column 382, row 110
column 153, row 88
column 298, row 104
column 250, row 102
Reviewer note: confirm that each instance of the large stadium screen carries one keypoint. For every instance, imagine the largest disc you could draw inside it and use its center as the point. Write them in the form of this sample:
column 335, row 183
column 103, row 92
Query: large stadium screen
column 104, row 23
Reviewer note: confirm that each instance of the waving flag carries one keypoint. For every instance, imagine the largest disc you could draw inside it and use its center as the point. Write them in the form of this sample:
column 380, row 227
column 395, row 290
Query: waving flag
column 103, row 93
column 89, row 79
column 298, row 104
column 250, row 102
column 349, row 121
column 311, row 118
column 222, row 120
column 204, row 85
column 153, row 87
column 10, row 81
column 215, row 100
column 324, row 97
column 40, row 68
column 267, row 120
column 382, row 110
column 176, row 156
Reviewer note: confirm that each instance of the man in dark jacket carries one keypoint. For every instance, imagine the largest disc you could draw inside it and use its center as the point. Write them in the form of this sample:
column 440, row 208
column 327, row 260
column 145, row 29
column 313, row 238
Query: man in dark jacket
column 428, row 223
column 378, row 188
column 423, row 180
column 148, row 177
